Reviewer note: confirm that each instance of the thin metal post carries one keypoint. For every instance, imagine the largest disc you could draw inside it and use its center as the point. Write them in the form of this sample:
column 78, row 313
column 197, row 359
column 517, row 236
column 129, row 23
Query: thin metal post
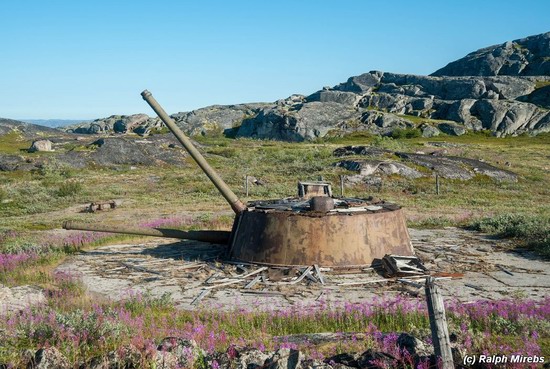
column 437, row 184
column 438, row 324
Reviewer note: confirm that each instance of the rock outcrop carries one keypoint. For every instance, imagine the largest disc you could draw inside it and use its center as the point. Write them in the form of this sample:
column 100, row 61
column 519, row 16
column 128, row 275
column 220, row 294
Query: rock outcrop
column 216, row 119
column 116, row 124
column 297, row 122
column 528, row 56
column 41, row 145
column 451, row 167
column 26, row 130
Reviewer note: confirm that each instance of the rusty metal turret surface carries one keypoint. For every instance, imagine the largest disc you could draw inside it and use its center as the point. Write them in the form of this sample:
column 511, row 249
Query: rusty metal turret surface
column 293, row 232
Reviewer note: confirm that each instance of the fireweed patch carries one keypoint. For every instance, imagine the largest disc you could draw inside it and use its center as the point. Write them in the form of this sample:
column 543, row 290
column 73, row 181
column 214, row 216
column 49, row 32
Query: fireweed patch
column 509, row 327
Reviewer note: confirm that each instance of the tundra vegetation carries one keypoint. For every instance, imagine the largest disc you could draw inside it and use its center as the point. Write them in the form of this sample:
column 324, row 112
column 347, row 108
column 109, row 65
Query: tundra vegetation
column 34, row 204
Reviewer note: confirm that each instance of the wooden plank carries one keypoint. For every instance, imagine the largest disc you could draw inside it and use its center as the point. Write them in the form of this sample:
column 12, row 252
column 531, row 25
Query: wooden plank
column 224, row 280
column 253, row 273
column 319, row 275
column 253, row 282
column 505, row 270
column 192, row 265
column 410, row 283
column 241, row 279
column 197, row 299
column 311, row 277
column 211, row 278
column 263, row 293
column 297, row 280
column 224, row 284
column 140, row 269
column 306, row 272
column 358, row 283
column 438, row 324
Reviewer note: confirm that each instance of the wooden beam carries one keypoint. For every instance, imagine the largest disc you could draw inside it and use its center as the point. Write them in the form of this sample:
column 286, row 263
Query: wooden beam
column 438, row 324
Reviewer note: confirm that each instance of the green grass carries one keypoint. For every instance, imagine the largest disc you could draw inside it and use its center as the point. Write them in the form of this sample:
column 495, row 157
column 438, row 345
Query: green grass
column 150, row 192
column 13, row 143
column 400, row 133
column 541, row 84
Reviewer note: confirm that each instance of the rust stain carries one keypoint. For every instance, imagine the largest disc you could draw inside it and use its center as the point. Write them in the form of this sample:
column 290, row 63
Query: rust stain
column 328, row 239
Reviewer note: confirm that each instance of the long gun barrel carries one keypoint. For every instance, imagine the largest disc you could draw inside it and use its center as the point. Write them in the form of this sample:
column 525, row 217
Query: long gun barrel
column 219, row 237
column 236, row 204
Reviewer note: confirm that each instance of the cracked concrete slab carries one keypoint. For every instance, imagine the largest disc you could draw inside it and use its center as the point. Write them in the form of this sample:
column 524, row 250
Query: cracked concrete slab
column 480, row 266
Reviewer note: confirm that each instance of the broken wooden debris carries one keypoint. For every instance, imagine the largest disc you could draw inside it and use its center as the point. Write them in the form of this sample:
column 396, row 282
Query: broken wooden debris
column 504, row 270
column 264, row 293
column 242, row 268
column 253, row 282
column 229, row 281
column 192, row 265
column 304, row 274
column 211, row 278
column 438, row 324
column 396, row 265
column 234, row 281
column 318, row 272
column 201, row 295
column 254, row 272
column 140, row 269
column 358, row 283
column 311, row 277
column 410, row 283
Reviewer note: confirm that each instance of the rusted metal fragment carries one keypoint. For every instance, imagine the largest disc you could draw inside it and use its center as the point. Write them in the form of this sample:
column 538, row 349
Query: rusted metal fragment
column 102, row 205
column 310, row 189
column 322, row 204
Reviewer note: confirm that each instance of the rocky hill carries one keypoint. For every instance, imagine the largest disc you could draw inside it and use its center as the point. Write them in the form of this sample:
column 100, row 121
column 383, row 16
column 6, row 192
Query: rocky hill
column 528, row 56
column 27, row 130
column 504, row 89
column 26, row 146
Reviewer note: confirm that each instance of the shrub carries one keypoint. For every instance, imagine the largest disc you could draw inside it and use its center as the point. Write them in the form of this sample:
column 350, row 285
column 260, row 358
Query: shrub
column 406, row 133
column 387, row 143
column 69, row 188
column 3, row 196
column 532, row 231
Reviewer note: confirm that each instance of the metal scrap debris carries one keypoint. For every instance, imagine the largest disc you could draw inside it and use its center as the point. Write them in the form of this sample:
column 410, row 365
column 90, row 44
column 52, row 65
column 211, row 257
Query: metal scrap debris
column 395, row 265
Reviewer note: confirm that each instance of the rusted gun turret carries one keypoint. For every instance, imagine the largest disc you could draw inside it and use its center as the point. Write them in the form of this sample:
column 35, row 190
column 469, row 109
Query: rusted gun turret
column 313, row 228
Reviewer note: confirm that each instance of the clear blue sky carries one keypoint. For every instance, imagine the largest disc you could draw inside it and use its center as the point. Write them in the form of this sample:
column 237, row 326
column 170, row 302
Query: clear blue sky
column 90, row 59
